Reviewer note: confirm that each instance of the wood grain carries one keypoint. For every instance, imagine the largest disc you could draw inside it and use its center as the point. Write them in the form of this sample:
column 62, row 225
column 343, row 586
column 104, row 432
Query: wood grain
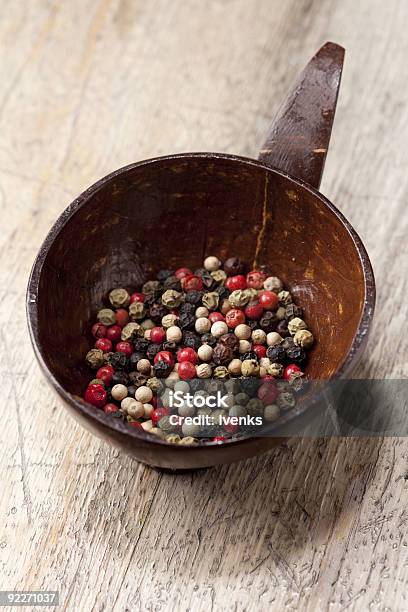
column 88, row 87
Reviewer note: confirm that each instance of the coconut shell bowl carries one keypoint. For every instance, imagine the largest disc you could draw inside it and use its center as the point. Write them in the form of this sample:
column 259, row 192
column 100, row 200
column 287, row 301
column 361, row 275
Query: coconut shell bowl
column 174, row 210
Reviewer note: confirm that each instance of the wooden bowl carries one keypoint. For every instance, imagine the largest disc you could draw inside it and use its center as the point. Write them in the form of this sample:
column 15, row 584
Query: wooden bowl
column 172, row 211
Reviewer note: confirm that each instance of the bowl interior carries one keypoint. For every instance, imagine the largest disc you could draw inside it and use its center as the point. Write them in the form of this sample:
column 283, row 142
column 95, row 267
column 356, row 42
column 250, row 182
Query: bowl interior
column 173, row 211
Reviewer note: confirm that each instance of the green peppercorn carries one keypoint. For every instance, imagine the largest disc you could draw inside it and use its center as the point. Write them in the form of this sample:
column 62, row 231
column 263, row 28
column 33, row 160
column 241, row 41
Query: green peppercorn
column 286, row 400
column 166, row 425
column 255, row 407
column 210, row 300
column 106, row 316
column 151, row 286
column 237, row 411
column 130, row 332
column 296, row 325
column 154, row 384
column 137, row 311
column 119, row 298
column 94, row 359
column 221, row 372
column 97, row 381
column 271, row 413
column 238, row 298
column 173, row 438
column 172, row 298
column 242, row 399
column 250, row 367
column 275, row 370
column 219, row 276
column 303, row 338
column 285, row 298
column 188, row 441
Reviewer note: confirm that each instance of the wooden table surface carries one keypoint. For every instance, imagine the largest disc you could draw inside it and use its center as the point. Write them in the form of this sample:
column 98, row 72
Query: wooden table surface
column 87, row 87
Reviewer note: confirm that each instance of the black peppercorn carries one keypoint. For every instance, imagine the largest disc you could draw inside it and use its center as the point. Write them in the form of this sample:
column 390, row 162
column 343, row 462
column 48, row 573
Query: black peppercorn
column 293, row 311
column 282, row 328
column 141, row 345
column 119, row 377
column 249, row 355
column 276, row 353
column 162, row 369
column 222, row 354
column 296, row 354
column 249, row 386
column 195, row 384
column 172, row 282
column 208, row 281
column 131, row 390
column 186, row 321
column 194, row 297
column 231, row 341
column 170, row 346
column 253, row 324
column 268, row 321
column 288, row 343
column 223, row 292
column 152, row 351
column 151, row 298
column 187, row 308
column 209, row 339
column 234, row 266
column 137, row 379
column 157, row 312
column 191, row 340
column 162, row 275
column 118, row 361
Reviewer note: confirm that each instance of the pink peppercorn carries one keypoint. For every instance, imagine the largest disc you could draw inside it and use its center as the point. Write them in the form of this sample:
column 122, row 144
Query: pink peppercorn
column 290, row 370
column 109, row 408
column 125, row 348
column 259, row 350
column 218, row 439
column 186, row 370
column 182, row 273
column 234, row 317
column 254, row 312
column 192, row 283
column 157, row 335
column 164, row 356
column 105, row 374
column 158, row 414
column 113, row 333
column 99, row 330
column 255, row 279
column 187, row 354
column 95, row 395
column 268, row 300
column 104, row 344
column 231, row 428
column 135, row 424
column 216, row 316
column 236, row 282
column 137, row 297
column 122, row 317
column 268, row 392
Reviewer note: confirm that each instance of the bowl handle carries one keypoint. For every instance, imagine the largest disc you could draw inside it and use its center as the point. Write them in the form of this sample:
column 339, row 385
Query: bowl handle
column 299, row 136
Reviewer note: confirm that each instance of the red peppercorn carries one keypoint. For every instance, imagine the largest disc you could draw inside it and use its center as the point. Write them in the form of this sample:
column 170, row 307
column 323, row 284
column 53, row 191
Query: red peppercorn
column 268, row 300
column 192, row 283
column 182, row 273
column 254, row 312
column 216, row 316
column 154, row 401
column 255, row 279
column 95, row 395
column 291, row 369
column 231, row 428
column 218, row 439
column 105, row 374
column 122, row 317
column 99, row 330
column 268, row 377
column 186, row 370
column 113, row 333
column 104, row 345
column 268, row 392
column 187, row 354
column 137, row 297
column 158, row 414
column 109, row 408
column 164, row 356
column 259, row 350
column 236, row 282
column 234, row 317
column 157, row 335
column 124, row 347
column 135, row 424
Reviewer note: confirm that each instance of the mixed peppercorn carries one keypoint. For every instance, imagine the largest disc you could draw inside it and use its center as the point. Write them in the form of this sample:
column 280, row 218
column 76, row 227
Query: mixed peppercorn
column 217, row 329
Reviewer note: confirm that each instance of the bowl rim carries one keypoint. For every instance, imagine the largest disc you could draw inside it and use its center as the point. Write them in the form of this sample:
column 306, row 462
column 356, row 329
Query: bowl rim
column 106, row 421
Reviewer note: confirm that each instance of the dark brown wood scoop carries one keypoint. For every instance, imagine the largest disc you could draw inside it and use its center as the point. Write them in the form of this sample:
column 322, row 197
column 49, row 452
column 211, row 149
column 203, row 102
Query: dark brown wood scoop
column 172, row 211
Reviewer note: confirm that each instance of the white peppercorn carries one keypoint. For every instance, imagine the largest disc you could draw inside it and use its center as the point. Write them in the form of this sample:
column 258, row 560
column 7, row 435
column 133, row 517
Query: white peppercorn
column 264, row 362
column 137, row 311
column 273, row 283
column 234, row 367
column 133, row 408
column 273, row 338
column 185, row 410
column 119, row 392
column 202, row 325
column 205, row 352
column 237, row 411
column 262, row 371
column 168, row 320
column 202, row 311
column 156, row 431
column 271, row 413
column 119, row 298
column 144, row 366
column 303, row 338
column 188, row 441
column 182, row 385
column 144, row 394
column 243, row 331
column 147, row 334
column 147, row 425
column 211, row 263
column 174, row 334
column 148, row 409
column 203, row 370
column 244, row 346
column 106, row 316
column 296, row 325
column 172, row 379
column 258, row 336
column 250, row 367
column 219, row 328
column 172, row 298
